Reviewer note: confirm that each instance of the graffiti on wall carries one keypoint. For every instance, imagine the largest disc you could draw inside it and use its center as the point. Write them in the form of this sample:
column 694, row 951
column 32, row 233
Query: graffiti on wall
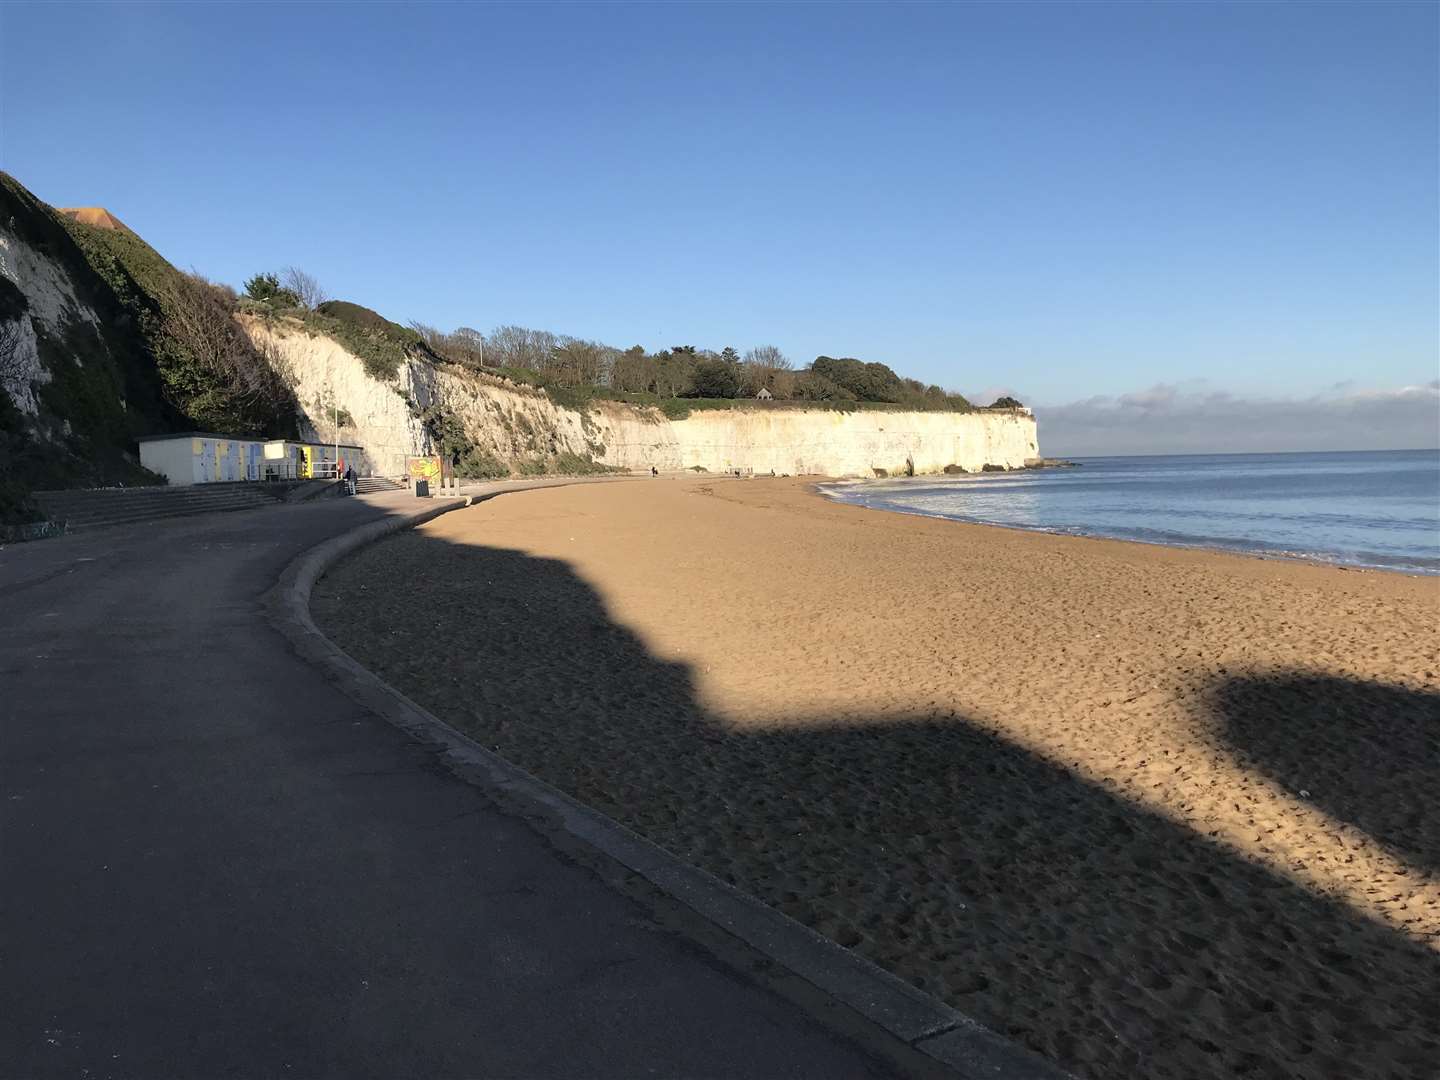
column 424, row 468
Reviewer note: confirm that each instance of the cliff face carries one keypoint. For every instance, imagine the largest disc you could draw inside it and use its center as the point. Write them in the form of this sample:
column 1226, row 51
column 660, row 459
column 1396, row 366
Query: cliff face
column 76, row 381
column 395, row 418
column 100, row 343
column 516, row 424
column 41, row 303
column 817, row 441
column 323, row 375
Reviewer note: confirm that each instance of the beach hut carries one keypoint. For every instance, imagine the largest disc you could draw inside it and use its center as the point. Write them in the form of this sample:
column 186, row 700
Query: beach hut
column 205, row 457
column 201, row 457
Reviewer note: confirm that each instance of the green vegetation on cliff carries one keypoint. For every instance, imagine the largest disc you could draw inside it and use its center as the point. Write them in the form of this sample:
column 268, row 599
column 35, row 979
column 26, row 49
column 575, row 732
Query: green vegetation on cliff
column 99, row 388
column 210, row 372
column 575, row 372
column 124, row 344
column 381, row 345
column 140, row 348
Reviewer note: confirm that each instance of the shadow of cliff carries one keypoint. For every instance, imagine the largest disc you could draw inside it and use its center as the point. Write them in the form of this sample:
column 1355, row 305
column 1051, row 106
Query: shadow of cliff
column 1364, row 752
column 1104, row 935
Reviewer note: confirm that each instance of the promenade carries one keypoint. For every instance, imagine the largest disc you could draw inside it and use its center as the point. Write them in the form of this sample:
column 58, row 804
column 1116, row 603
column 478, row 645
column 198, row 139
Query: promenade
column 217, row 864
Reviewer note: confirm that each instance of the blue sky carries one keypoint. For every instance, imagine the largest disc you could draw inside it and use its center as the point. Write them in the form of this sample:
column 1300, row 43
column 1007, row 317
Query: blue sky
column 1067, row 201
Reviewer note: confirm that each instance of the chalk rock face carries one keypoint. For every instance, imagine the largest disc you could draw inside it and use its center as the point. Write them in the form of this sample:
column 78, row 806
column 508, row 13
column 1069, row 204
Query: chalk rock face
column 637, row 438
column 325, row 375
column 512, row 423
column 824, row 442
column 388, row 416
column 517, row 423
column 52, row 309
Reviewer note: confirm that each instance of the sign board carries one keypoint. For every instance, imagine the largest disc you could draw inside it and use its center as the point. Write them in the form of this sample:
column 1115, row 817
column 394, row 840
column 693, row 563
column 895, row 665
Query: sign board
column 424, row 468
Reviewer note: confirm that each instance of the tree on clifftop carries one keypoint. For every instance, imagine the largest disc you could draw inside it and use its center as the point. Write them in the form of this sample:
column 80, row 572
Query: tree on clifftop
column 632, row 371
column 304, row 287
column 262, row 286
column 763, row 370
column 520, row 347
column 577, row 362
column 672, row 371
column 714, row 379
column 467, row 346
column 267, row 288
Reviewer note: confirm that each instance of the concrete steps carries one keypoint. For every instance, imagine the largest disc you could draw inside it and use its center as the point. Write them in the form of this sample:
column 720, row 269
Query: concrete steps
column 309, row 490
column 100, row 507
column 367, row 485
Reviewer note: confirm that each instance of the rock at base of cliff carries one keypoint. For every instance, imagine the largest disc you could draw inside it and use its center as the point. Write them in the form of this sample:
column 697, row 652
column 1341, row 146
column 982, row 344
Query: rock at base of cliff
column 1050, row 463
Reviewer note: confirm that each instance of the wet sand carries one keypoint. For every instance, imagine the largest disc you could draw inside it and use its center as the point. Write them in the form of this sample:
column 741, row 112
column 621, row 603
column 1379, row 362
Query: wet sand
column 1153, row 812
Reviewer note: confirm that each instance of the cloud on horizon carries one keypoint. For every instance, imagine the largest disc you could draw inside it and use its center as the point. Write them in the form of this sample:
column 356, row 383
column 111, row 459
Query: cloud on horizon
column 1171, row 418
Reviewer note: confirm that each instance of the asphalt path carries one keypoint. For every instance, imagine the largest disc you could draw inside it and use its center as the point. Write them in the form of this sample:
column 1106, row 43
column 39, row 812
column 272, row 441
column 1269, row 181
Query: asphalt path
column 214, row 863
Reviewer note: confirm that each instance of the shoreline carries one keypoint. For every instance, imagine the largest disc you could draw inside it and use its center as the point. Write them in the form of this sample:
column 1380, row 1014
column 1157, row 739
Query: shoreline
column 1069, row 788
column 1271, row 558
column 1309, row 559
column 1242, row 553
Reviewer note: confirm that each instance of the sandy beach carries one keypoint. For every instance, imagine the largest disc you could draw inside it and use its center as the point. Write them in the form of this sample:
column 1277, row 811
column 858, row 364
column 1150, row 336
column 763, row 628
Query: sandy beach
column 1153, row 812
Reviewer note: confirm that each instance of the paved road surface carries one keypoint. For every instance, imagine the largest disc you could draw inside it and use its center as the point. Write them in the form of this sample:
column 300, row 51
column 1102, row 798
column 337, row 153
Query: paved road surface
column 212, row 863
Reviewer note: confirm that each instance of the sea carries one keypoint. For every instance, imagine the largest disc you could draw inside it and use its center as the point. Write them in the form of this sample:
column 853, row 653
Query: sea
column 1376, row 509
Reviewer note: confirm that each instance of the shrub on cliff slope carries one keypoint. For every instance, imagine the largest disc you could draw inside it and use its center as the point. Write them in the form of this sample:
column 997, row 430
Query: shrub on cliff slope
column 380, row 344
column 209, row 371
column 267, row 287
column 563, row 464
column 227, row 382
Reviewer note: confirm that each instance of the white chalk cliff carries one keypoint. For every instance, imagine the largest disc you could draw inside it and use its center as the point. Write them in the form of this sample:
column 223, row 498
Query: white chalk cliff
column 52, row 304
column 517, row 423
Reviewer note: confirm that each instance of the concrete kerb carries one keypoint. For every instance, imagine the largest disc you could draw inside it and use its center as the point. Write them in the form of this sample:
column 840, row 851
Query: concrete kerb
column 909, row 1014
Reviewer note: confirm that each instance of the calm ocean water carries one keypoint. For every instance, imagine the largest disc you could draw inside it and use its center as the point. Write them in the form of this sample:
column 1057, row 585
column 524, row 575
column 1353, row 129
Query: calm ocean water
column 1371, row 508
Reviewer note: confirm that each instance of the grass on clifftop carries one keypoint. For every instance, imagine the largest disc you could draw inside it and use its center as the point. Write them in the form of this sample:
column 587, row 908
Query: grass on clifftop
column 581, row 398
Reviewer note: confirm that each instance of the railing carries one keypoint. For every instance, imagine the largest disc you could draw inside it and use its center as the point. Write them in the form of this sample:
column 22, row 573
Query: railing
column 34, row 530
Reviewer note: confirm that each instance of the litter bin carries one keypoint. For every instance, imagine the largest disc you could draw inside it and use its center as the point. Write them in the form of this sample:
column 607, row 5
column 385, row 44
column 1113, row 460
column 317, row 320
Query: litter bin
column 422, row 489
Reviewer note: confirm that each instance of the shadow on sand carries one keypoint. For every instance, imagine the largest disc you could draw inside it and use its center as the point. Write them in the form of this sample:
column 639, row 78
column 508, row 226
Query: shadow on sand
column 1101, row 934
column 1366, row 753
